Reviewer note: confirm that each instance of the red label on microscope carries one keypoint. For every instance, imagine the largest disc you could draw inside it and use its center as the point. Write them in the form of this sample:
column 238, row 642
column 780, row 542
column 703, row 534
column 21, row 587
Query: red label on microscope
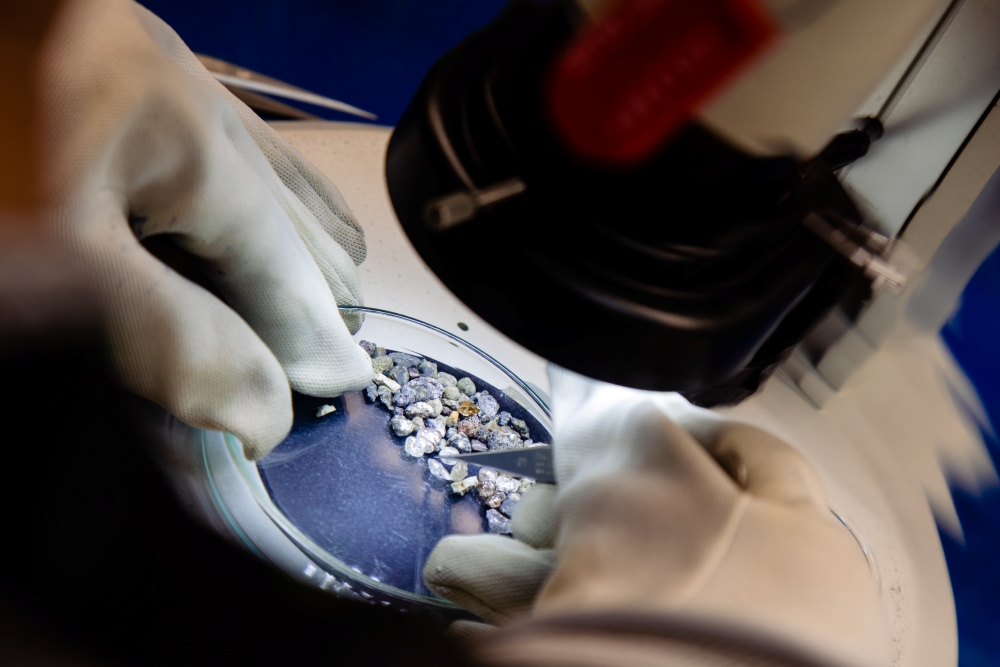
column 623, row 87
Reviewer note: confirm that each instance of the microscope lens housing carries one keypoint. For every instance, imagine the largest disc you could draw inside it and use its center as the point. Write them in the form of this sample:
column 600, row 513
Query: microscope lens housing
column 688, row 270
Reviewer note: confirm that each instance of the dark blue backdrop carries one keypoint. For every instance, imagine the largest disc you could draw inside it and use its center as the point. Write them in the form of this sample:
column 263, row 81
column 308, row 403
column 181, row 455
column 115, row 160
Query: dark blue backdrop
column 973, row 335
column 373, row 54
column 369, row 53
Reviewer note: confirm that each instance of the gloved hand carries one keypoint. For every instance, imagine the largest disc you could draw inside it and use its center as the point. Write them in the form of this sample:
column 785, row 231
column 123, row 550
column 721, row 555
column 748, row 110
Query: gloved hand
column 139, row 140
column 673, row 537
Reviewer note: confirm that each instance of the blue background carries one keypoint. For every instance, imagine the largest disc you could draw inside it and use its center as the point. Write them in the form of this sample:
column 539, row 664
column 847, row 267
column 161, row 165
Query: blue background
column 374, row 53
column 369, row 53
column 973, row 335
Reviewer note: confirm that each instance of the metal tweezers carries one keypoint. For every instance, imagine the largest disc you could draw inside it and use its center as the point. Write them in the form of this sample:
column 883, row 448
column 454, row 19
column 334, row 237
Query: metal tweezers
column 533, row 462
column 250, row 84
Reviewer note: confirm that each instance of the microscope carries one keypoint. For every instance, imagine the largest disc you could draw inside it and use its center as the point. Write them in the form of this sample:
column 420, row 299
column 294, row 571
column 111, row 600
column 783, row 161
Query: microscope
column 553, row 172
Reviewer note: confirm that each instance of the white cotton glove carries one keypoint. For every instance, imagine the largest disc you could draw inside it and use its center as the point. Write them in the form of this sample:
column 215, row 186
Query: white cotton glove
column 140, row 140
column 647, row 523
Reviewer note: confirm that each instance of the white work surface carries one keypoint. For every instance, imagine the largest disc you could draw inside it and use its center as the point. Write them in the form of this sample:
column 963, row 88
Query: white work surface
column 878, row 443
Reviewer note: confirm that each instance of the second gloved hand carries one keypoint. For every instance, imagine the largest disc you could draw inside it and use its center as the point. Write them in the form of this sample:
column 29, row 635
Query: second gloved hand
column 139, row 142
column 673, row 537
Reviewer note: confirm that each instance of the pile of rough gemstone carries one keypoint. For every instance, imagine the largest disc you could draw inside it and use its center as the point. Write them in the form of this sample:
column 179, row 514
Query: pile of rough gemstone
column 442, row 416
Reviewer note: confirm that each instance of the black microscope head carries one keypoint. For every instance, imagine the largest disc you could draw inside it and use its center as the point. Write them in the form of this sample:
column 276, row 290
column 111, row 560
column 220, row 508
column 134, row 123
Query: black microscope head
column 688, row 269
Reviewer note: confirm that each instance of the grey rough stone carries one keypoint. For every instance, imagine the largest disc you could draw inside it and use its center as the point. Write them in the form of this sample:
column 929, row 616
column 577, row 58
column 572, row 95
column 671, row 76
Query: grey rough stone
column 445, row 410
column 461, row 442
column 487, row 405
column 406, row 360
column 405, row 396
column 379, row 351
column 397, row 410
column 419, row 409
column 385, row 396
column 451, row 432
column 367, row 347
column 460, row 471
column 448, row 453
column 418, row 422
column 399, row 374
column 488, row 475
column 401, row 426
column 496, row 500
column 498, row 523
column 526, row 483
column 446, row 379
column 371, row 392
column 520, row 426
column 466, row 386
column 430, row 384
column 381, row 364
column 438, row 470
column 412, row 372
column 503, row 418
column 478, row 446
column 507, row 484
column 427, row 367
column 503, row 440
column 452, row 394
column 436, row 406
column 509, row 505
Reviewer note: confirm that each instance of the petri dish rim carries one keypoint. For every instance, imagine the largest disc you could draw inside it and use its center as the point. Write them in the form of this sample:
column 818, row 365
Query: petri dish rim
column 366, row 586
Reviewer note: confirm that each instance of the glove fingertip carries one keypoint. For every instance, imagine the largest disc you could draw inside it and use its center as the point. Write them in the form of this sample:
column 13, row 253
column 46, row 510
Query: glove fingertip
column 257, row 447
column 342, row 367
column 534, row 519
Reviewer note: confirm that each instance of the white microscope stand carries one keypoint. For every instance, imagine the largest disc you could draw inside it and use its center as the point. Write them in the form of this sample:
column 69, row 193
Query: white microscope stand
column 874, row 441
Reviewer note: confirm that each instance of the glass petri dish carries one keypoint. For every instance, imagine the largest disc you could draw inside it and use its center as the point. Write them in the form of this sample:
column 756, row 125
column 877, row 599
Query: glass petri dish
column 363, row 515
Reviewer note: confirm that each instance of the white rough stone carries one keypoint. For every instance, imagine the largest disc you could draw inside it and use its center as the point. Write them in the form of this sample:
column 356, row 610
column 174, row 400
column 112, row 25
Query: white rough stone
column 438, row 470
column 420, row 409
column 507, row 484
column 402, row 426
column 324, row 410
column 460, row 471
column 414, row 447
column 464, row 486
column 384, row 381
